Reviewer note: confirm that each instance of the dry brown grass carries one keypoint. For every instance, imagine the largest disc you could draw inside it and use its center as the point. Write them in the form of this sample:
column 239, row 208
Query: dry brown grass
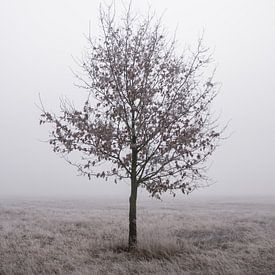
column 178, row 237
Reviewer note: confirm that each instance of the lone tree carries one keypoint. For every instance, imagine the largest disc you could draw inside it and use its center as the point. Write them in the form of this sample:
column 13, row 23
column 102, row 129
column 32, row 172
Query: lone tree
column 147, row 117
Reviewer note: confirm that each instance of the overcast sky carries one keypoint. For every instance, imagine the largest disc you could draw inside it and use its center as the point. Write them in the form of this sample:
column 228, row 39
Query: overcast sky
column 38, row 40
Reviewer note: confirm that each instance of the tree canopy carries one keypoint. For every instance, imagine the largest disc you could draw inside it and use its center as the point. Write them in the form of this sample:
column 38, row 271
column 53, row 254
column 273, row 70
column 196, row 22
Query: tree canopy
column 142, row 96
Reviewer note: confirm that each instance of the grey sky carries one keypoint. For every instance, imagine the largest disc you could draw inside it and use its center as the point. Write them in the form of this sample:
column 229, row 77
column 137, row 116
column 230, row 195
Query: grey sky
column 38, row 40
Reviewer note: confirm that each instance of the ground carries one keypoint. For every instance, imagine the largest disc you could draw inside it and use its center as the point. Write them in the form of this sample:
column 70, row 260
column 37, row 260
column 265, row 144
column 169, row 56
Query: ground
column 182, row 236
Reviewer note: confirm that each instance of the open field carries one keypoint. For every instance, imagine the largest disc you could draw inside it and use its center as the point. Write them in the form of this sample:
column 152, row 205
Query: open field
column 177, row 237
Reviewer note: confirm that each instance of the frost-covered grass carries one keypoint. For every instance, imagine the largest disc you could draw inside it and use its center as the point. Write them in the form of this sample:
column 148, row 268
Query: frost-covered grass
column 176, row 237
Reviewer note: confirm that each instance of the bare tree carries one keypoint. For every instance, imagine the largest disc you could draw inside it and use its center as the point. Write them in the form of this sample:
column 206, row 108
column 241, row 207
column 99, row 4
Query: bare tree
column 147, row 117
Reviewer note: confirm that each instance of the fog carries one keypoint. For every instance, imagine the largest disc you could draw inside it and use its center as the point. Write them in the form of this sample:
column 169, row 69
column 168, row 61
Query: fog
column 39, row 39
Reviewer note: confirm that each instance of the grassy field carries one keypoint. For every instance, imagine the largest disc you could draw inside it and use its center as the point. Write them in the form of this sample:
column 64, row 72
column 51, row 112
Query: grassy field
column 176, row 237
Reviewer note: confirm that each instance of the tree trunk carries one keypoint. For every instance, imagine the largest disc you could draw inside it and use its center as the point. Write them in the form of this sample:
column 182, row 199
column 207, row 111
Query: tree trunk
column 133, row 203
column 133, row 216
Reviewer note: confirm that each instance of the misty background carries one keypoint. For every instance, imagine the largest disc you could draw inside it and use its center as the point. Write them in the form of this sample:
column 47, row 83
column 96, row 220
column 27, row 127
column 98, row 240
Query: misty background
column 39, row 39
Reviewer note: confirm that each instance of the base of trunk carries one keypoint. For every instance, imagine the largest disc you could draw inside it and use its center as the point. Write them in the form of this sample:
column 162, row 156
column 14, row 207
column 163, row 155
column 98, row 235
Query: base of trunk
column 132, row 244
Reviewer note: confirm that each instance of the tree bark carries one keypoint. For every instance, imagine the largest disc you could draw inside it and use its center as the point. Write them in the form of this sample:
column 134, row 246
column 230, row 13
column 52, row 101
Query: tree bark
column 133, row 203
column 133, row 218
